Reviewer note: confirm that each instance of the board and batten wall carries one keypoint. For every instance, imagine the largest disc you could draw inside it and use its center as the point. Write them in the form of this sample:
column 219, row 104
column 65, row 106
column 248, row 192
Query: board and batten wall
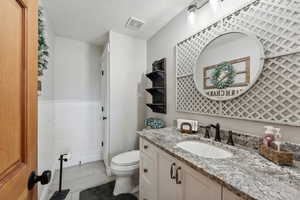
column 77, row 124
column 163, row 43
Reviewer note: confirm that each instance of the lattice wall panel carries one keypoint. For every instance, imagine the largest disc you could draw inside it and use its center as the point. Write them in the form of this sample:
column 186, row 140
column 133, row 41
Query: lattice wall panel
column 276, row 95
column 189, row 51
column 190, row 100
column 186, row 94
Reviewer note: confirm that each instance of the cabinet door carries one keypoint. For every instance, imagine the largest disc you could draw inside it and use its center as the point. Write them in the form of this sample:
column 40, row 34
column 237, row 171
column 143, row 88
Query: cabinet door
column 227, row 195
column 195, row 186
column 167, row 188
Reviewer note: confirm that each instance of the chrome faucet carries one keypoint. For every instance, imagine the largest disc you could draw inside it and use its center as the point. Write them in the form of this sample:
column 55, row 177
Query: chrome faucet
column 217, row 136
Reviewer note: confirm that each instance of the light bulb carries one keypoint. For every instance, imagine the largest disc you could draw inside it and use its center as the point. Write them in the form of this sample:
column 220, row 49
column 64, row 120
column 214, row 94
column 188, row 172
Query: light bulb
column 191, row 18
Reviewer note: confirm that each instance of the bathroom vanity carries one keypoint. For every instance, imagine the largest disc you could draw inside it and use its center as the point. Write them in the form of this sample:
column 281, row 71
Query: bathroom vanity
column 169, row 171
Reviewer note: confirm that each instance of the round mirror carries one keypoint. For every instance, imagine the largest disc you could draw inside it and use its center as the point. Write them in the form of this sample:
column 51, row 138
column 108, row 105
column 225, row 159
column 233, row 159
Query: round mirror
column 228, row 66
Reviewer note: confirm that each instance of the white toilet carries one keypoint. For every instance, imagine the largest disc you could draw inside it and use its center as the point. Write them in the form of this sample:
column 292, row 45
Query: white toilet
column 124, row 166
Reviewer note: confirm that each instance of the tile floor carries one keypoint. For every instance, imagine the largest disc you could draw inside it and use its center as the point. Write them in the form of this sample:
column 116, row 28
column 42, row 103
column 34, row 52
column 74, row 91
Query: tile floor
column 80, row 177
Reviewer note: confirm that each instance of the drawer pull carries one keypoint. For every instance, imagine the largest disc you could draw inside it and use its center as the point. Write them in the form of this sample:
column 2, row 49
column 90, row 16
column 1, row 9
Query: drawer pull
column 145, row 146
column 177, row 175
column 145, row 170
column 172, row 171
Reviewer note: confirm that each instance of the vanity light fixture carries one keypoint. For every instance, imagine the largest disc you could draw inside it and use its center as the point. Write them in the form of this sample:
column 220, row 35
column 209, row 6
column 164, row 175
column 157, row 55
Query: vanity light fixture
column 192, row 8
column 196, row 5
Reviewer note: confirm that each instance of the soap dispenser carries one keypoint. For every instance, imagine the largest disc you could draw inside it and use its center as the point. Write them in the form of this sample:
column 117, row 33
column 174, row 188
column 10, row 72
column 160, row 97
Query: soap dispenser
column 278, row 137
column 269, row 136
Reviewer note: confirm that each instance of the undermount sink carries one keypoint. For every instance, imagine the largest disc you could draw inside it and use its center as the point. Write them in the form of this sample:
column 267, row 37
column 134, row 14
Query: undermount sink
column 204, row 150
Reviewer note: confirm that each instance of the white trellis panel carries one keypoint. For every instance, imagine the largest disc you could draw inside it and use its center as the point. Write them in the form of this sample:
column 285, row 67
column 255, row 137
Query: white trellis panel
column 276, row 95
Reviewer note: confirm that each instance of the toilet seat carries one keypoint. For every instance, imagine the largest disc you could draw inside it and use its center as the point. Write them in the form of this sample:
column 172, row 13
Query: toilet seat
column 130, row 158
column 118, row 169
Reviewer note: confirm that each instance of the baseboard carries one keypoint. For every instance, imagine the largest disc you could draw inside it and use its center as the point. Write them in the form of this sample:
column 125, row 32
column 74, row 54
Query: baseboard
column 76, row 160
column 84, row 159
column 45, row 193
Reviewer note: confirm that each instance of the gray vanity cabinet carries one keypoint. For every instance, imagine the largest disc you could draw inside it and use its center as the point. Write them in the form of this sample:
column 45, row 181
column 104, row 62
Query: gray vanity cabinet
column 163, row 177
column 148, row 171
column 177, row 181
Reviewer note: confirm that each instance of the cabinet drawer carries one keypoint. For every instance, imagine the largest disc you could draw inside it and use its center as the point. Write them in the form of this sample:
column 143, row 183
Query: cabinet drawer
column 147, row 168
column 147, row 148
column 146, row 190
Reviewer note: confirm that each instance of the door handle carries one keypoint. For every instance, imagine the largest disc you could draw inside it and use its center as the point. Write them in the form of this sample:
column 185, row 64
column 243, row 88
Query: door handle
column 177, row 175
column 104, row 118
column 34, row 178
column 172, row 171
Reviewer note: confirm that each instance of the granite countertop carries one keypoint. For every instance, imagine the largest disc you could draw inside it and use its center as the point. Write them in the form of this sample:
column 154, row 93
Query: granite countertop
column 247, row 174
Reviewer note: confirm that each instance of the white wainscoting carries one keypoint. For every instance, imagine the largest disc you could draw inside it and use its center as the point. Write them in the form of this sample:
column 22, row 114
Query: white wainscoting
column 46, row 152
column 78, row 130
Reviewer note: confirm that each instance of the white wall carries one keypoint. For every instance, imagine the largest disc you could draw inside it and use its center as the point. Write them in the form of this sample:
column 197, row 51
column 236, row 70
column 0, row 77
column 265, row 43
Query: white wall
column 68, row 107
column 77, row 70
column 46, row 152
column 77, row 100
column 163, row 45
column 127, row 67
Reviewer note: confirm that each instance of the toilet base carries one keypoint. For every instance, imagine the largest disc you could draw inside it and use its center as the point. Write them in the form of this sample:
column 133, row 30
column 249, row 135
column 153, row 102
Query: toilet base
column 124, row 184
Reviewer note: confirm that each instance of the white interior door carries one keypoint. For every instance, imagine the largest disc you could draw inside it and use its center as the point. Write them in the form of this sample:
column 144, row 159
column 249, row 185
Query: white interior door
column 105, row 108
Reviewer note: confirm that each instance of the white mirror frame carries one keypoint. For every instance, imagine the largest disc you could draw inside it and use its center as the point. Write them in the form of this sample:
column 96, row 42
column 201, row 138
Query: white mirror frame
column 262, row 53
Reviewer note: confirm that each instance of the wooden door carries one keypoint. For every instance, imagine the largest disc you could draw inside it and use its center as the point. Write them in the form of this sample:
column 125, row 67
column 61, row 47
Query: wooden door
column 18, row 97
column 167, row 187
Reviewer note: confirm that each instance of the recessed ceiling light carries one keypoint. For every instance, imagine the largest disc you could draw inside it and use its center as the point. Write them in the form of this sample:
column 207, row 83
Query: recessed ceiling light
column 134, row 24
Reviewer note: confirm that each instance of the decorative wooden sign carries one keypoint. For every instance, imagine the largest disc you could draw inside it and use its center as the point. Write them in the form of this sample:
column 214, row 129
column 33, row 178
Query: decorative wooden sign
column 245, row 72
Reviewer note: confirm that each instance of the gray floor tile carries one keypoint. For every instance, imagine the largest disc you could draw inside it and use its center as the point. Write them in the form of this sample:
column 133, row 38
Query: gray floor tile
column 81, row 177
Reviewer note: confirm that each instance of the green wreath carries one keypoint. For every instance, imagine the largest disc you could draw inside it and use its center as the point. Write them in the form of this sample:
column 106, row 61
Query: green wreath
column 43, row 48
column 223, row 75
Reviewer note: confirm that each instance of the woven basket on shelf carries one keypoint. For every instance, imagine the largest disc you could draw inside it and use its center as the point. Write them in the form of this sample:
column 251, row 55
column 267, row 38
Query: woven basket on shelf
column 279, row 157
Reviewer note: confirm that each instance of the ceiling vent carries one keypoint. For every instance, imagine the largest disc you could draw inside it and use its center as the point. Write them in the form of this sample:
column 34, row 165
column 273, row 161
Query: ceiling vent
column 134, row 24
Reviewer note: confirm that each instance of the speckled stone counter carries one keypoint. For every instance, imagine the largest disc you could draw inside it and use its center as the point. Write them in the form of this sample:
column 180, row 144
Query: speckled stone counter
column 247, row 174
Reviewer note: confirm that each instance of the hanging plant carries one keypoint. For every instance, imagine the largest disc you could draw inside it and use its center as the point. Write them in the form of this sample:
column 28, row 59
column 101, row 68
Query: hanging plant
column 43, row 48
column 223, row 75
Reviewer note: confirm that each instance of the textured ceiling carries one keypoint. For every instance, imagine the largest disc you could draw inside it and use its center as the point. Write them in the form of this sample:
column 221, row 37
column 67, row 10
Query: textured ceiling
column 90, row 20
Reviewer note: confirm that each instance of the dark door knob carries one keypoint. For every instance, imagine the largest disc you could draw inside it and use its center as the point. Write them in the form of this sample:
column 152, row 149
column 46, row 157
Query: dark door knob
column 104, row 118
column 34, row 178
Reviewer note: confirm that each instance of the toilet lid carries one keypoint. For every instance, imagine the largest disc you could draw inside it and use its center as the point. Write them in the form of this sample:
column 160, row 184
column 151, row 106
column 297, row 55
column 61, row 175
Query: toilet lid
column 127, row 158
